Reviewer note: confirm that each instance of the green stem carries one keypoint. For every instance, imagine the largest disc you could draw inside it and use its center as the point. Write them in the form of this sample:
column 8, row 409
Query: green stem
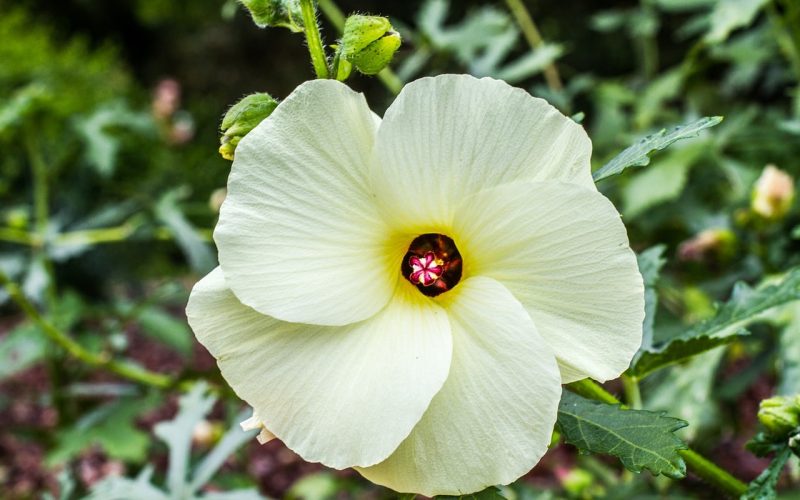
column 335, row 15
column 632, row 393
column 18, row 236
column 531, row 32
column 40, row 185
column 712, row 474
column 114, row 234
column 76, row 350
column 96, row 236
column 699, row 465
column 590, row 389
column 649, row 44
column 390, row 80
column 313, row 38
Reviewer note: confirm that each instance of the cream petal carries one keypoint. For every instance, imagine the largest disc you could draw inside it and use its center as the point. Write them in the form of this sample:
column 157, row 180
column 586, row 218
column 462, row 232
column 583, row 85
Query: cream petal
column 446, row 137
column 563, row 252
column 299, row 236
column 342, row 396
column 494, row 417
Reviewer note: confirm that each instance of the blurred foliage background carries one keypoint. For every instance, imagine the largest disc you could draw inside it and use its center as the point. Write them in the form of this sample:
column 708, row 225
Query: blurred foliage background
column 110, row 183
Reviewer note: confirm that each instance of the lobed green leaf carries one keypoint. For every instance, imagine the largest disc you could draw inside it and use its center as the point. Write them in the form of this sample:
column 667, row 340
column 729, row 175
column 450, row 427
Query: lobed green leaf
column 640, row 439
column 763, row 487
column 637, row 155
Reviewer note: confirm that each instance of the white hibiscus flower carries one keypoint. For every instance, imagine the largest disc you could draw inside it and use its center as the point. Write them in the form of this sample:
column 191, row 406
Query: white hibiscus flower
column 406, row 296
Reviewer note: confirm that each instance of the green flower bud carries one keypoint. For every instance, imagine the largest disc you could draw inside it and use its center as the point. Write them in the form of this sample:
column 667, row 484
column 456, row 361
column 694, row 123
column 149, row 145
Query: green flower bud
column 284, row 13
column 242, row 118
column 780, row 415
column 369, row 43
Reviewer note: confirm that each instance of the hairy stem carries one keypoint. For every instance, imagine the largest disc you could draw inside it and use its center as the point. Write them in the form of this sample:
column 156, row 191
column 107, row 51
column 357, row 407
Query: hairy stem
column 313, row 39
column 531, row 32
column 698, row 464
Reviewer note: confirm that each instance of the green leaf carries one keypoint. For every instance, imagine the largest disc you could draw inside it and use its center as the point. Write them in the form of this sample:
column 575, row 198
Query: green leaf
column 196, row 250
column 662, row 182
column 21, row 348
column 317, row 486
column 640, row 439
column 164, row 327
column 177, row 433
column 490, row 493
column 650, row 263
column 789, row 352
column 22, row 103
column 100, row 134
column 530, row 64
column 233, row 439
column 763, row 487
column 637, row 155
column 111, row 426
column 745, row 306
column 122, row 487
column 729, row 15
column 686, row 393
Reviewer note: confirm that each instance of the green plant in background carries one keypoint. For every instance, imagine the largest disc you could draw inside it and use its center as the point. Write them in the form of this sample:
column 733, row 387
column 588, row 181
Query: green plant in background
column 183, row 482
column 92, row 199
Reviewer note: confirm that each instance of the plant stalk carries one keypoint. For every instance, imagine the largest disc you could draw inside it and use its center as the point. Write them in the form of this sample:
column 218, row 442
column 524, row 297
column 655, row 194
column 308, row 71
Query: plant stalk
column 316, row 48
column 76, row 350
column 531, row 32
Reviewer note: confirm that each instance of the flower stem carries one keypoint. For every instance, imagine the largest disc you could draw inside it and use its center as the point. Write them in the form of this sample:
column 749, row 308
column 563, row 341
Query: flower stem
column 76, row 350
column 388, row 77
column 313, row 38
column 531, row 32
column 632, row 394
column 698, row 464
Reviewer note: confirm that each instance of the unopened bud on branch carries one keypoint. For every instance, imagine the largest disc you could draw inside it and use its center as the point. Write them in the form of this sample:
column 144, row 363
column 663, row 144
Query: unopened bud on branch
column 283, row 13
column 242, row 118
column 369, row 43
column 780, row 415
column 773, row 193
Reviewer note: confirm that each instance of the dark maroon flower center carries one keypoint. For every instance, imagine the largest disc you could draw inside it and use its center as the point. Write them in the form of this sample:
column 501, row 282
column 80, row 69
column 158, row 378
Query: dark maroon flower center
column 432, row 264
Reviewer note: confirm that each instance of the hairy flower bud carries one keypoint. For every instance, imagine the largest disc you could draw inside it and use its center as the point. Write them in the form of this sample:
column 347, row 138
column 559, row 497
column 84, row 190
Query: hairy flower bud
column 780, row 415
column 369, row 43
column 773, row 193
column 242, row 118
column 283, row 13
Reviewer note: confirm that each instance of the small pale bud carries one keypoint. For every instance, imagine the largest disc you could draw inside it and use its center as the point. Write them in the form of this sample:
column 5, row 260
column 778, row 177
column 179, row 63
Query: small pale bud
column 206, row 433
column 773, row 193
column 369, row 43
column 780, row 415
column 216, row 199
column 283, row 13
column 242, row 118
column 711, row 244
